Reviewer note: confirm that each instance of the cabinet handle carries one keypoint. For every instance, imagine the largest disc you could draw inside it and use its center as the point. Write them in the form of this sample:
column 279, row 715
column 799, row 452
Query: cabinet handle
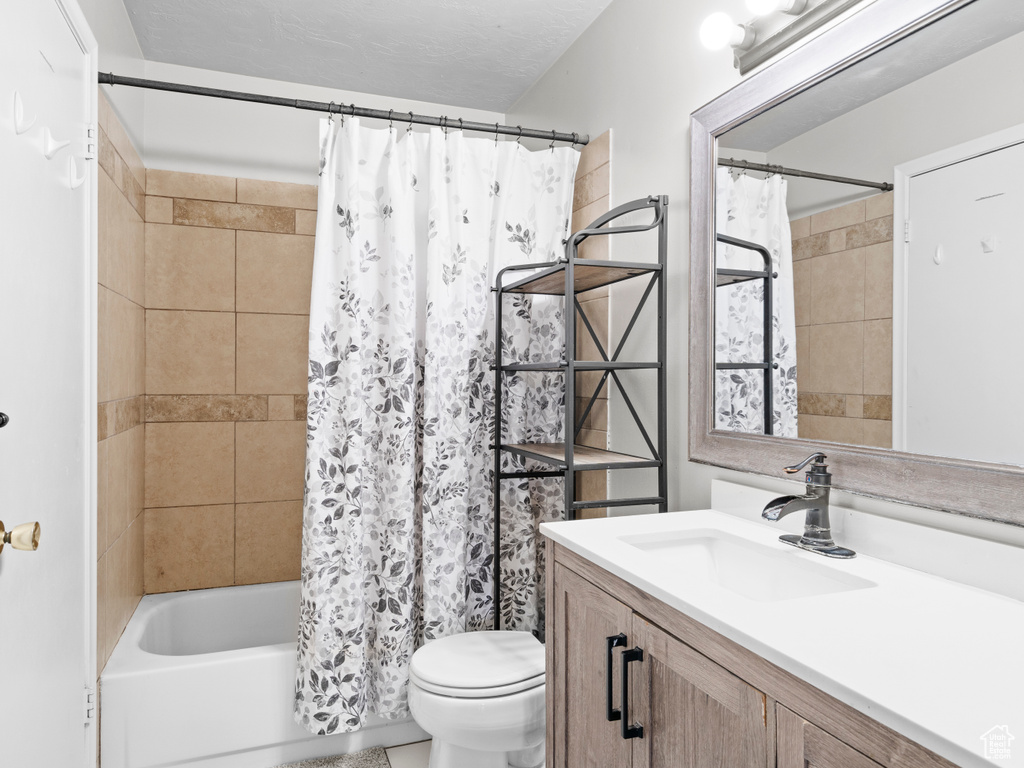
column 614, row 641
column 629, row 731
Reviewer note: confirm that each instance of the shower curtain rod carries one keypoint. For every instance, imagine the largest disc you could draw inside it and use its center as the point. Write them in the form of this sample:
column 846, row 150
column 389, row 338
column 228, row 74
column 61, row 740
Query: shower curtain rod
column 767, row 168
column 109, row 78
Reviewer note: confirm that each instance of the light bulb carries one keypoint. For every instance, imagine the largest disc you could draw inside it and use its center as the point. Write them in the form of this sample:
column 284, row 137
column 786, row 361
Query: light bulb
column 764, row 7
column 717, row 31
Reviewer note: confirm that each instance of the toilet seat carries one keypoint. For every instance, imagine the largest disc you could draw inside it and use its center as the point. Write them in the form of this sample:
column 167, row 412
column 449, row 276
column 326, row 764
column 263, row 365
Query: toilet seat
column 477, row 665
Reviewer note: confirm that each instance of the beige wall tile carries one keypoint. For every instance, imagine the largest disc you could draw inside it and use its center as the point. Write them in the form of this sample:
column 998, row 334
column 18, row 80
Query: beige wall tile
column 190, row 548
column 837, row 359
column 837, row 287
column 273, row 353
column 802, row 291
column 597, row 314
column 190, row 352
column 800, row 228
column 163, row 408
column 106, row 614
column 268, row 542
column 190, row 464
column 121, row 243
column 878, row 281
column 300, row 407
column 125, row 148
column 837, row 240
column 831, row 428
column 809, row 247
column 877, row 434
column 275, row 273
column 593, row 438
column 855, row 406
column 878, row 407
column 104, row 112
column 803, row 358
column 821, row 405
column 879, row 205
column 878, row 357
column 106, row 155
column 588, row 213
column 191, row 185
column 837, row 218
column 277, row 193
column 258, row 218
column 117, row 486
column 190, row 268
column 869, row 233
column 136, row 472
column 102, row 496
column 281, row 408
column 270, row 460
column 129, row 186
column 592, row 186
column 305, row 222
column 591, row 486
column 594, row 154
column 159, row 210
column 121, row 347
column 598, row 416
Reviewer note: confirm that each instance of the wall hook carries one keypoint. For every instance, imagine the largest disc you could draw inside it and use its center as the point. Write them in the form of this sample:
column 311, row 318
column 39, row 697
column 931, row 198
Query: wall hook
column 74, row 180
column 52, row 146
column 20, row 123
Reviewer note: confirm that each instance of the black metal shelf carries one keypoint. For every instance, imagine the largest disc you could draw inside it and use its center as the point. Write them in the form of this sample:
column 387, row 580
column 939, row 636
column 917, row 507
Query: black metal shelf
column 569, row 277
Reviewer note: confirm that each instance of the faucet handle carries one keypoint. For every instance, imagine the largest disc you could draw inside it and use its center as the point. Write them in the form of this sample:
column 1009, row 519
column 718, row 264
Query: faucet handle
column 817, row 458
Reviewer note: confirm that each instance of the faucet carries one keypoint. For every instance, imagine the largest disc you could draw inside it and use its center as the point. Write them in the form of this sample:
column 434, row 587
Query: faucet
column 817, row 527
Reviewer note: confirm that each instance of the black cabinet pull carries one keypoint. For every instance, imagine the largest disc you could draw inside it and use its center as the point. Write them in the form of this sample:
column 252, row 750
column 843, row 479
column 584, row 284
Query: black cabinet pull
column 614, row 641
column 629, row 731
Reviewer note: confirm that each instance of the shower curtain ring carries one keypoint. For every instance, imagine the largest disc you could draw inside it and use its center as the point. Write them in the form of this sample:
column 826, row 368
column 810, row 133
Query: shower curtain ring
column 391, row 121
column 519, row 138
column 330, row 113
column 575, row 139
column 444, row 125
column 410, row 121
column 460, row 123
column 496, row 134
column 552, row 145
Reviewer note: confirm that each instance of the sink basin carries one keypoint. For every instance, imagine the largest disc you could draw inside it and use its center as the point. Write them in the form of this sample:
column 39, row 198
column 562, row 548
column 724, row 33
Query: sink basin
column 749, row 569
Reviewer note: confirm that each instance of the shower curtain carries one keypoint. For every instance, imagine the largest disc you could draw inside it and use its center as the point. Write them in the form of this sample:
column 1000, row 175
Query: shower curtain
column 755, row 210
column 397, row 536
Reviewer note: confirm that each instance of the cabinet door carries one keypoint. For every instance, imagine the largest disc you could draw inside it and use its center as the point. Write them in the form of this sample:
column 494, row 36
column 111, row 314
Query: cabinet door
column 579, row 732
column 802, row 745
column 694, row 713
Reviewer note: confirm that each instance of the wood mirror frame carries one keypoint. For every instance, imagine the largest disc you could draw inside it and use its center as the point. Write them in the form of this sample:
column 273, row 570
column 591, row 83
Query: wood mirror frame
column 973, row 488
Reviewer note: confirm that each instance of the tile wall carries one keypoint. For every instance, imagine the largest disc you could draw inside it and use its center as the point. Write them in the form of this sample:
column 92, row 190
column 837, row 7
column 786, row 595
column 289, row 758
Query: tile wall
column 228, row 268
column 590, row 200
column 842, row 272
column 120, row 381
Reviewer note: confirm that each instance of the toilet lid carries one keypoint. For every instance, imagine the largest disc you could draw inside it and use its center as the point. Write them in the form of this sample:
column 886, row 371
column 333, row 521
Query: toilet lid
column 461, row 665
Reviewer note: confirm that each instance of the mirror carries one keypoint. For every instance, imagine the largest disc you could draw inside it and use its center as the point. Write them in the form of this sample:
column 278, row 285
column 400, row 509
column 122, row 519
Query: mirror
column 894, row 289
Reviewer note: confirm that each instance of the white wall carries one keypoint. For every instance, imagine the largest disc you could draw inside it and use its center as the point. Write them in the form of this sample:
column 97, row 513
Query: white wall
column 640, row 71
column 198, row 134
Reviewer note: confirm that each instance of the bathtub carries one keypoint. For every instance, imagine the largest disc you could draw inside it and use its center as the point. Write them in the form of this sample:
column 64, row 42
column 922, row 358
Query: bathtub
column 207, row 678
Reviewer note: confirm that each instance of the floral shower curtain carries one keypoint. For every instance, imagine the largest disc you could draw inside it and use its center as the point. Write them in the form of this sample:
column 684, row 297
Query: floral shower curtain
column 755, row 210
column 397, row 537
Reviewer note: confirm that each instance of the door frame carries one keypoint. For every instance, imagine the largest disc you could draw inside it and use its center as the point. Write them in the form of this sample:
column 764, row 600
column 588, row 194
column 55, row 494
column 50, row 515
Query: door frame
column 903, row 175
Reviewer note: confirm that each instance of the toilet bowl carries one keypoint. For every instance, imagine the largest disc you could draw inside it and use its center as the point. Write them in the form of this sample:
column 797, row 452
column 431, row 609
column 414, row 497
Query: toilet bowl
column 480, row 695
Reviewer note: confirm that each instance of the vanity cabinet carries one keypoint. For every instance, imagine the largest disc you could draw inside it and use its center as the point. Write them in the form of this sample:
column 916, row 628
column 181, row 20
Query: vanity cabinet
column 695, row 699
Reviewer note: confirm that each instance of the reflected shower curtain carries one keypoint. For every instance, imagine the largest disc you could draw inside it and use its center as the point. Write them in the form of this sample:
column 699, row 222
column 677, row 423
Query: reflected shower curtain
column 755, row 210
column 397, row 535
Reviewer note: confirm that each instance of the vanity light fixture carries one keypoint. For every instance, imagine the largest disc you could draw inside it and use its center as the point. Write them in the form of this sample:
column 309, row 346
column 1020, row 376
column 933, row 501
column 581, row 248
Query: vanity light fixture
column 719, row 30
column 764, row 7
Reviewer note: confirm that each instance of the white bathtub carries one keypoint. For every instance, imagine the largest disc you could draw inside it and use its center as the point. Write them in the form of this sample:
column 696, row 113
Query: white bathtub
column 207, row 678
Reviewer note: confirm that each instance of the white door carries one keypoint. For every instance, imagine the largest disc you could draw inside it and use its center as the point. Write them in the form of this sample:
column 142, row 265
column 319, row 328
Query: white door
column 47, row 450
column 965, row 279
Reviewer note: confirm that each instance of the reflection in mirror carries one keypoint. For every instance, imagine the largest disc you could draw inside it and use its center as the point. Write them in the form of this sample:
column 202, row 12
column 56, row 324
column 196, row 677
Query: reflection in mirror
column 908, row 340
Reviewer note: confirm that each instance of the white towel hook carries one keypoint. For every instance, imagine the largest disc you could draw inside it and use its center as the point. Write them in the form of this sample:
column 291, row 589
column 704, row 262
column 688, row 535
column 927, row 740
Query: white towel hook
column 20, row 123
column 74, row 180
column 52, row 146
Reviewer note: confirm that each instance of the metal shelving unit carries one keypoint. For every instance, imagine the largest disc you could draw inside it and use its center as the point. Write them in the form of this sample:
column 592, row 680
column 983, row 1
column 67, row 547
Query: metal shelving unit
column 767, row 364
column 570, row 277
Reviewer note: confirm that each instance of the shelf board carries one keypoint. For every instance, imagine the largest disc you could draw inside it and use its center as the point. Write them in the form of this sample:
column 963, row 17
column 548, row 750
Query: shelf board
column 584, row 457
column 733, row 276
column 587, row 275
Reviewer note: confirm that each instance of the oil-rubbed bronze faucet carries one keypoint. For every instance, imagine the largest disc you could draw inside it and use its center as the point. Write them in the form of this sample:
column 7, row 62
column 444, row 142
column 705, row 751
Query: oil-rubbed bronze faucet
column 817, row 526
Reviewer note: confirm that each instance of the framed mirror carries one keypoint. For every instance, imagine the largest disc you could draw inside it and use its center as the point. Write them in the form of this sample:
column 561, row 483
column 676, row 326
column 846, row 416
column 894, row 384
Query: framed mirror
column 857, row 255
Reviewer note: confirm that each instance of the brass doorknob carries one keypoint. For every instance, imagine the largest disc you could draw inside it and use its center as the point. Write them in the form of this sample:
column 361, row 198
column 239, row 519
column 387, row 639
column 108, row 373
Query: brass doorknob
column 24, row 536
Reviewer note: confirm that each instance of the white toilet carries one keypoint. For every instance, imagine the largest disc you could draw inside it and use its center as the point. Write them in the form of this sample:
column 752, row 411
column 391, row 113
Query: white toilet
column 480, row 695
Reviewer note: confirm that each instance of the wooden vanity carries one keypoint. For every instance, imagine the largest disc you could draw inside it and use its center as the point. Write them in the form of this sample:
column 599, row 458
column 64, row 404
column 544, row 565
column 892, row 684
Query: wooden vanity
column 699, row 698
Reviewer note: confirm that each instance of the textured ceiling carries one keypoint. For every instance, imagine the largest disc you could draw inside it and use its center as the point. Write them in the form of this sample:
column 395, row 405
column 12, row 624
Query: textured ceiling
column 472, row 53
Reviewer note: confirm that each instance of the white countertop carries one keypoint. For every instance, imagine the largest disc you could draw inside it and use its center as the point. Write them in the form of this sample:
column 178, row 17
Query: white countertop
column 935, row 660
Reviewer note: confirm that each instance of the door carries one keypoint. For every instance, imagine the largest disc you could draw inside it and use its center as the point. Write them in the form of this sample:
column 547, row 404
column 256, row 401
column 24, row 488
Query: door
column 580, row 735
column 802, row 745
column 694, row 713
column 47, row 449
column 964, row 278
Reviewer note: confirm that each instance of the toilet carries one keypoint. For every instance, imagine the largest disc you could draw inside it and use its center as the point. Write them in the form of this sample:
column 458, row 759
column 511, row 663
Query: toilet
column 480, row 695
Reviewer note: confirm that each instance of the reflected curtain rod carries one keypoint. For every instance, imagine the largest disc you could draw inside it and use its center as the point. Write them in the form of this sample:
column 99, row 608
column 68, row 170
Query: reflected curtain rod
column 767, row 168
column 454, row 123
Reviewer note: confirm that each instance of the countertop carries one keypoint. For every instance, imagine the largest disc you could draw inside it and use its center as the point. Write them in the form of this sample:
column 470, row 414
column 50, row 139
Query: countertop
column 935, row 660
